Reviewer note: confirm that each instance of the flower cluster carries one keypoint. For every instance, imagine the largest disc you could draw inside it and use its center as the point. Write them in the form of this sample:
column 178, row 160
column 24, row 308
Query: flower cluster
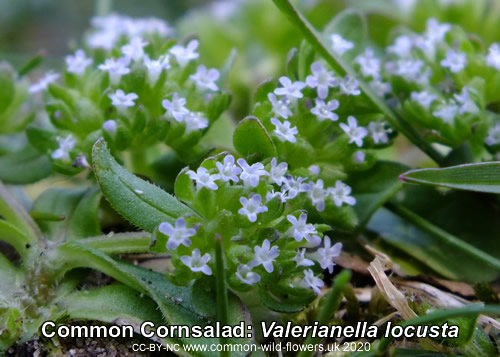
column 257, row 209
column 133, row 84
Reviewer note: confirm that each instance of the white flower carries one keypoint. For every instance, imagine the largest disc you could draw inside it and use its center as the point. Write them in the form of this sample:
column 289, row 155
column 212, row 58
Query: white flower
column 278, row 171
column 340, row 194
column 115, row 68
column 284, row 131
column 65, row 146
column 78, row 62
column 110, row 126
column 197, row 263
column 447, row 112
column 436, row 31
column 312, row 281
column 381, row 88
column 203, row 178
column 317, row 195
column 340, row 45
column 301, row 260
column 121, row 100
column 326, row 254
column 349, row 86
column 378, row 132
column 402, row 46
column 411, row 70
column 265, row 255
column 184, row 55
column 228, row 171
column 427, row 46
column 455, row 61
column 370, row 65
column 195, row 121
column 252, row 207
column 44, row 82
column 324, row 110
column 493, row 137
column 134, row 49
column 281, row 195
column 155, row 67
column 246, row 275
column 176, row 107
column 294, row 186
column 280, row 106
column 467, row 105
column 302, row 230
column 205, row 78
column 251, row 174
column 177, row 235
column 290, row 90
column 321, row 79
column 493, row 57
column 423, row 98
column 354, row 132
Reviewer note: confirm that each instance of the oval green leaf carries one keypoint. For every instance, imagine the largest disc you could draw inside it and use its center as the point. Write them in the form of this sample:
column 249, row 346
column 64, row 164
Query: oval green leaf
column 250, row 137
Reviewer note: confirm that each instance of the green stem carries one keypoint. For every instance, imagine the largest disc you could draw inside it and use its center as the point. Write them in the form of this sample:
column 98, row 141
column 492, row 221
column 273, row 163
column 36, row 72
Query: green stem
column 136, row 242
column 442, row 235
column 342, row 67
column 330, row 305
column 103, row 7
column 220, row 280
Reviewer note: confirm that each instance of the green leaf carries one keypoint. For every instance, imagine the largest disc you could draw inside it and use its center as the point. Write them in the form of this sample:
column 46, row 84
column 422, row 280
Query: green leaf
column 121, row 243
column 140, row 202
column 250, row 137
column 24, row 166
column 374, row 187
column 481, row 177
column 32, row 63
column 79, row 207
column 7, row 87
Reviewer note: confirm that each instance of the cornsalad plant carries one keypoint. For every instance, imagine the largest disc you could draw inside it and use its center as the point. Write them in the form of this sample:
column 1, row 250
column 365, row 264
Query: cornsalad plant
column 251, row 228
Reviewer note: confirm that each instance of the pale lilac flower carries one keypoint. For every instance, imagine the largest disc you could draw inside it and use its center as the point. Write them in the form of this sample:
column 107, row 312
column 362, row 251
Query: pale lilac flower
column 121, row 100
column 155, row 67
column 314, row 169
column 324, row 110
column 493, row 57
column 409, row 69
column 402, row 46
column 454, row 61
column 176, row 107
column 278, row 171
column 78, row 62
column 206, row 78
column 369, row 64
column 265, row 255
column 270, row 195
column 65, row 146
column 228, row 171
column 326, row 254
column 289, row 89
column 493, row 137
column 381, row 88
column 301, row 260
column 359, row 157
column 427, row 46
column 436, row 31
column 354, row 132
column 341, row 194
column 134, row 49
column 197, row 263
column 423, row 98
column 321, row 79
column 195, row 121
column 378, row 132
column 467, row 105
column 317, row 195
column 44, row 82
column 110, row 127
column 203, row 178
column 349, row 86
column 284, row 131
column 280, row 106
column 246, row 275
column 312, row 281
column 447, row 112
column 115, row 68
column 251, row 174
column 178, row 234
column 184, row 55
column 340, row 45
column 293, row 186
column 302, row 230
column 252, row 207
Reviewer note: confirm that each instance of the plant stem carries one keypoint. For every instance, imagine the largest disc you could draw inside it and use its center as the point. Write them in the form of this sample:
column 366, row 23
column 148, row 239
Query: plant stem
column 442, row 235
column 137, row 242
column 331, row 304
column 103, row 7
column 220, row 281
column 342, row 67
